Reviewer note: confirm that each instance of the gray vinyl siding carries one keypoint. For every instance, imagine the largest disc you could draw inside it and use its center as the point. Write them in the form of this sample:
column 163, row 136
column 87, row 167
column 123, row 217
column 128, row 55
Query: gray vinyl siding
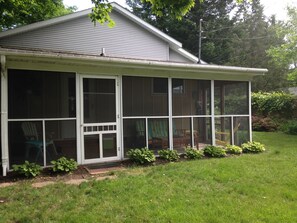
column 127, row 39
column 176, row 57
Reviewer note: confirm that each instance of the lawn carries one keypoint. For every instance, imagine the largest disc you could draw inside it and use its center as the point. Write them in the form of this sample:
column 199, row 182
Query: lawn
column 249, row 188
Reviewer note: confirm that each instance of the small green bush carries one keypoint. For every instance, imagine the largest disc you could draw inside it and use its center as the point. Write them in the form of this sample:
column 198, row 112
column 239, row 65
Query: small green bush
column 252, row 147
column 193, row 154
column 169, row 155
column 233, row 149
column 64, row 165
column 141, row 156
column 214, row 151
column 290, row 127
column 27, row 169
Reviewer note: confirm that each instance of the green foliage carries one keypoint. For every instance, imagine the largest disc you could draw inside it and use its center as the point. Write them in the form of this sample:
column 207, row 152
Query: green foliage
column 214, row 151
column 21, row 12
column 266, row 103
column 193, row 154
column 286, row 53
column 101, row 12
column 64, row 165
column 290, row 127
column 141, row 156
column 233, row 149
column 252, row 147
column 27, row 169
column 169, row 155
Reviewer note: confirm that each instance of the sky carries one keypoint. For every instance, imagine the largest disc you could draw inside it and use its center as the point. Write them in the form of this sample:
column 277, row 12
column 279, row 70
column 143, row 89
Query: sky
column 277, row 7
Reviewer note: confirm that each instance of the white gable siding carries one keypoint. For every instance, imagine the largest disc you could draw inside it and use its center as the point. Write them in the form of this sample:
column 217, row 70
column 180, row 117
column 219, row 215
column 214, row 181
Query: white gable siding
column 176, row 57
column 126, row 39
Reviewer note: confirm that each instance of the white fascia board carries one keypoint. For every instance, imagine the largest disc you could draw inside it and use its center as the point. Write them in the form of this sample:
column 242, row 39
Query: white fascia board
column 123, row 62
column 45, row 23
column 145, row 25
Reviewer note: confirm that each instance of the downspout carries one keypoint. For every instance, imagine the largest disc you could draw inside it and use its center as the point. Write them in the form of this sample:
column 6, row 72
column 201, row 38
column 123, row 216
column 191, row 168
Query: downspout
column 4, row 127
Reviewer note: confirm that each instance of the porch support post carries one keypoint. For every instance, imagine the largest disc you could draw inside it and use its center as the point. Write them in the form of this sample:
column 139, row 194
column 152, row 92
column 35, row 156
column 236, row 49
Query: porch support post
column 250, row 110
column 213, row 128
column 4, row 126
column 170, row 125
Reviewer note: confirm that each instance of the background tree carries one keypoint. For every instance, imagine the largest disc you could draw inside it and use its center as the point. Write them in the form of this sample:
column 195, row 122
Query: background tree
column 285, row 54
column 238, row 40
column 21, row 12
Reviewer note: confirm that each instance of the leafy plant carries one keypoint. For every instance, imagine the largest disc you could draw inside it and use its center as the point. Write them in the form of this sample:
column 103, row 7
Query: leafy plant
column 193, row 154
column 141, row 156
column 64, row 165
column 169, row 155
column 214, row 151
column 252, row 147
column 266, row 103
column 27, row 169
column 290, row 127
column 233, row 149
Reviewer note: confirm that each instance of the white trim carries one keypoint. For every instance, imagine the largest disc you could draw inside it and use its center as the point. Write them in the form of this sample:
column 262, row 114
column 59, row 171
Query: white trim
column 121, row 117
column 44, row 143
column 146, row 132
column 4, row 115
column 143, row 117
column 100, row 159
column 213, row 127
column 250, row 111
column 232, row 130
column 192, row 132
column 78, row 120
column 170, row 124
column 40, row 119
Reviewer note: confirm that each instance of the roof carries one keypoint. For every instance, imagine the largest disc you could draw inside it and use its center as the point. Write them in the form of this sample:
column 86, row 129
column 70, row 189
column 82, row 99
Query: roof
column 133, row 63
column 173, row 44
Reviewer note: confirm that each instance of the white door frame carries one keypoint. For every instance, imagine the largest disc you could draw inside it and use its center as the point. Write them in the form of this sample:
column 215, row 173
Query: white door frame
column 83, row 125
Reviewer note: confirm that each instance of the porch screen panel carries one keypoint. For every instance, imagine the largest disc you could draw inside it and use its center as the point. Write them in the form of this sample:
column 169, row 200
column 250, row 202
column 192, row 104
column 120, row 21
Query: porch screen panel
column 223, row 130
column 182, row 136
column 41, row 103
column 231, row 97
column 241, row 130
column 99, row 100
column 158, row 137
column 190, row 97
column 202, row 132
column 40, row 94
column 60, row 139
column 25, row 141
column 144, row 96
column 134, row 134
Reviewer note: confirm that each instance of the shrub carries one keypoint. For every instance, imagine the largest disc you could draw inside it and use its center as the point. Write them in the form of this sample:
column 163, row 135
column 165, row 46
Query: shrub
column 27, row 169
column 214, row 151
column 141, row 156
column 169, row 155
column 290, row 127
column 64, row 165
column 252, row 147
column 193, row 154
column 264, row 124
column 233, row 149
column 266, row 103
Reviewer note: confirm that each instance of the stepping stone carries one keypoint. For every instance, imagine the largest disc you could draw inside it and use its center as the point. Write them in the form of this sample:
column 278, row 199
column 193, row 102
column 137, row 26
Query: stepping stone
column 2, row 185
column 75, row 181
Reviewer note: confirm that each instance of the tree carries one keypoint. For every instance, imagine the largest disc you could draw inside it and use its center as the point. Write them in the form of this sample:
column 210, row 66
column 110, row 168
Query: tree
column 286, row 54
column 21, row 12
column 176, row 9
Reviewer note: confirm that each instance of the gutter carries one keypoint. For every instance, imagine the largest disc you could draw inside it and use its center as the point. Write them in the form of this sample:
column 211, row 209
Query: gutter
column 134, row 63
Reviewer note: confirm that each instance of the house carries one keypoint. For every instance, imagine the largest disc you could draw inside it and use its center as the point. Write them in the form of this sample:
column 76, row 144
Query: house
column 69, row 88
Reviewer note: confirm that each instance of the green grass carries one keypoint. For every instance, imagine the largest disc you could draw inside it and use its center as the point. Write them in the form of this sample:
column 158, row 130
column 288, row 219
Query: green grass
column 249, row 188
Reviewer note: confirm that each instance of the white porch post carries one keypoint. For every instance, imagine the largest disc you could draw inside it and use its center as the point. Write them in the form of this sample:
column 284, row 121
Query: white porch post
column 213, row 128
column 250, row 110
column 4, row 126
column 170, row 125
